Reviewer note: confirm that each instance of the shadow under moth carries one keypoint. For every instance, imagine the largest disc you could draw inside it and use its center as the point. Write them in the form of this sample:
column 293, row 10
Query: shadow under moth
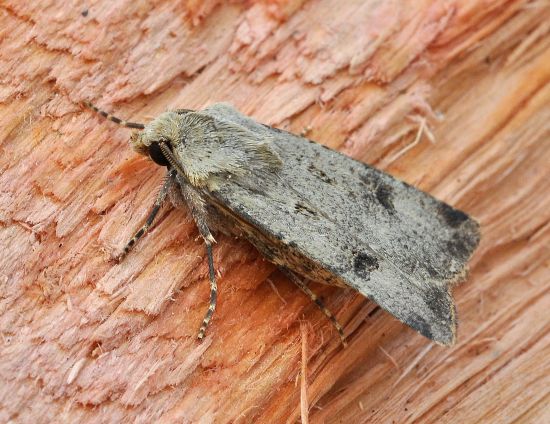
column 317, row 214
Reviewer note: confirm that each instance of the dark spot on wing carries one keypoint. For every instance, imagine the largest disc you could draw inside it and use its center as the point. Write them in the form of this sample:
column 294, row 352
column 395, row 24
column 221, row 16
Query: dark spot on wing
column 377, row 187
column 442, row 308
column 462, row 245
column 84, row 12
column 364, row 264
column 384, row 194
column 370, row 179
column 304, row 209
column 320, row 174
column 438, row 302
column 453, row 217
column 432, row 271
column 419, row 324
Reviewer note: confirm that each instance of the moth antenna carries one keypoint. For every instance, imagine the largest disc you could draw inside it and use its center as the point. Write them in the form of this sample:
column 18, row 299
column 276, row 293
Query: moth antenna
column 318, row 302
column 113, row 118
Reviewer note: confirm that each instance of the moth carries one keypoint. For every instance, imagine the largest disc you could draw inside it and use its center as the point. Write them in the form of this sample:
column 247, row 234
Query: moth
column 316, row 213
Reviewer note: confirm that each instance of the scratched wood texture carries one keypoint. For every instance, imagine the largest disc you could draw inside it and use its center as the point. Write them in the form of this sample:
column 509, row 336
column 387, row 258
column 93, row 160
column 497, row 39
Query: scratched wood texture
column 451, row 96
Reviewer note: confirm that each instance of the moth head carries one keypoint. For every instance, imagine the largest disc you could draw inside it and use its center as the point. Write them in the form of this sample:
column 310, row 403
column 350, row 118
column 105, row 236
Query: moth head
column 163, row 129
column 143, row 146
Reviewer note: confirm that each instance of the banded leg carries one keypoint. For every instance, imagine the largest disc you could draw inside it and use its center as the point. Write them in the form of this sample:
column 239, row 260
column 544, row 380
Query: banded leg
column 114, row 118
column 161, row 197
column 197, row 207
column 296, row 280
column 213, row 291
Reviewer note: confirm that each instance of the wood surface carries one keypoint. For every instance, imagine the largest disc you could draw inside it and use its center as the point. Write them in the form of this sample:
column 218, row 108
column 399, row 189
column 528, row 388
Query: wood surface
column 451, row 96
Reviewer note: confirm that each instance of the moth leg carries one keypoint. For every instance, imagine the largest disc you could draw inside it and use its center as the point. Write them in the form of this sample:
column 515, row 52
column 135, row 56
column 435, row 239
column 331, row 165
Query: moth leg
column 296, row 280
column 213, row 291
column 197, row 207
column 159, row 201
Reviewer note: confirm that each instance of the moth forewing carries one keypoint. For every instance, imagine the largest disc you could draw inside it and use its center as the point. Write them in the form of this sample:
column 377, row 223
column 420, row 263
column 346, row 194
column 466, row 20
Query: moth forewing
column 335, row 220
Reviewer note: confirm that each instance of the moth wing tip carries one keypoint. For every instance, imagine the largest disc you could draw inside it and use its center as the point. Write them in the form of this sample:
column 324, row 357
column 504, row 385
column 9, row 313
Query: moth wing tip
column 437, row 319
column 445, row 333
column 448, row 336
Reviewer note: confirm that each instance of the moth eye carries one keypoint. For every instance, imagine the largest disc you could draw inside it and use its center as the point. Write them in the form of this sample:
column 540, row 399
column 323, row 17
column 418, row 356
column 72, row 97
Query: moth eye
column 156, row 155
